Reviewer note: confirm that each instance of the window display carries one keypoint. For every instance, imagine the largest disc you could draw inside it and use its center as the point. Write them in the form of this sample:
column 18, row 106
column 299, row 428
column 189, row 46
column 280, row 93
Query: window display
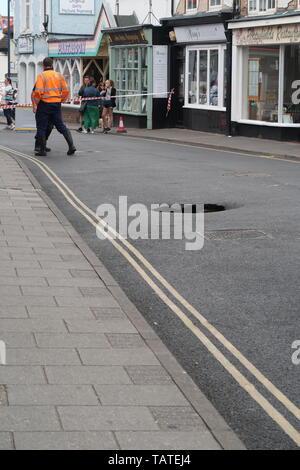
column 272, row 71
column 131, row 78
column 206, row 77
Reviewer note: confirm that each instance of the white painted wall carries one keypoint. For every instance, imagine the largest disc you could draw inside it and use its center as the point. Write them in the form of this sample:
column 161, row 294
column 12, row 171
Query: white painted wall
column 3, row 66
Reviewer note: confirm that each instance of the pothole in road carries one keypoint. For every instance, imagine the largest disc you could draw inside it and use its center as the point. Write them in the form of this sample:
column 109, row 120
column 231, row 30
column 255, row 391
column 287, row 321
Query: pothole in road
column 178, row 208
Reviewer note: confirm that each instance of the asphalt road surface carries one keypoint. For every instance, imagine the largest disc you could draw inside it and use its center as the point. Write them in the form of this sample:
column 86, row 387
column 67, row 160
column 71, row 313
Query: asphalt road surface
column 245, row 281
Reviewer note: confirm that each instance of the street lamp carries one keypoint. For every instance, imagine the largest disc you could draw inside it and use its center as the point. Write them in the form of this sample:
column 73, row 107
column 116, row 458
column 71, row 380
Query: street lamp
column 8, row 38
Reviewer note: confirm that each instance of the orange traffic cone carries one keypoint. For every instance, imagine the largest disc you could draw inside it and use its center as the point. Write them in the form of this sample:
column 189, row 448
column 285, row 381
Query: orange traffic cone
column 121, row 129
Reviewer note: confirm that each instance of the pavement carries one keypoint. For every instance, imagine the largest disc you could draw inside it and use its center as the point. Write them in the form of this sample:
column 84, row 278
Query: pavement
column 250, row 145
column 84, row 369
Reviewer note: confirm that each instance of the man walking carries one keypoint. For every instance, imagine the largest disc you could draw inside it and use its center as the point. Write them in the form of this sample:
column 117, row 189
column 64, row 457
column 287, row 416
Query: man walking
column 50, row 91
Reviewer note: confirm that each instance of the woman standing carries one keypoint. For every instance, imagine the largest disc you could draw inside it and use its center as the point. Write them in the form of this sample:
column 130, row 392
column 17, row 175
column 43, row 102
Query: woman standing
column 109, row 103
column 8, row 98
column 101, row 88
column 91, row 114
column 86, row 81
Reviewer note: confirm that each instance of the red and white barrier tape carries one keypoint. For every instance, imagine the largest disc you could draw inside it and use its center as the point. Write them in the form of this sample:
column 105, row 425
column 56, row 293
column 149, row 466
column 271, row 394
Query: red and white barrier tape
column 80, row 100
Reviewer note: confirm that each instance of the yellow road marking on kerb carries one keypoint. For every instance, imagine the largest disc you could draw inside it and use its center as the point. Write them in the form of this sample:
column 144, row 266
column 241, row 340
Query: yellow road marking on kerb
column 241, row 379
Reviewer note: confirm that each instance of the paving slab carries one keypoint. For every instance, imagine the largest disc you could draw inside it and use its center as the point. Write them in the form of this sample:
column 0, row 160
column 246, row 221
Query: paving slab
column 65, row 441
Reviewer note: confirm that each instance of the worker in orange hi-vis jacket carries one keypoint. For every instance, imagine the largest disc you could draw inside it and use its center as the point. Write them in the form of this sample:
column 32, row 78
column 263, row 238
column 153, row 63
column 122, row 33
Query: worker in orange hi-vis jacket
column 50, row 91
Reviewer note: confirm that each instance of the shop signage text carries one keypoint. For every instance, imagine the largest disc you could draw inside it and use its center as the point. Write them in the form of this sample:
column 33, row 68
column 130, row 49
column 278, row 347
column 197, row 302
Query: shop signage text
column 72, row 48
column 132, row 37
column 77, row 7
column 203, row 33
column 267, row 35
column 160, row 71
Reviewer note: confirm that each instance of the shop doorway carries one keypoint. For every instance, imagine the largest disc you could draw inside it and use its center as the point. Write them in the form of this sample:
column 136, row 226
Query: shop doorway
column 96, row 68
column 179, row 84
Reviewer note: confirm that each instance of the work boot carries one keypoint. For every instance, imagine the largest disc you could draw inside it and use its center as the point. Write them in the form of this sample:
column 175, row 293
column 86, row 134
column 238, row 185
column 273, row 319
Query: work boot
column 68, row 136
column 40, row 147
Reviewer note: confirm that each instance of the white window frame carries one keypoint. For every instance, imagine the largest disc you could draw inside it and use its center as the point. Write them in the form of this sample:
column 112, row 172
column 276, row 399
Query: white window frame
column 256, row 9
column 215, row 7
column 221, row 64
column 26, row 27
column 191, row 10
column 240, row 85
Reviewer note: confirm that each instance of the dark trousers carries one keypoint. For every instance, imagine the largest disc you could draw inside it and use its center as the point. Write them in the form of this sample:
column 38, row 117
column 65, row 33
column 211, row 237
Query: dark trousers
column 9, row 116
column 48, row 114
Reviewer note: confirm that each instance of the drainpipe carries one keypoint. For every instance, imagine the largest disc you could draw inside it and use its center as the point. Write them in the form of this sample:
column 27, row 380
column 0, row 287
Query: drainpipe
column 172, row 7
column 229, row 36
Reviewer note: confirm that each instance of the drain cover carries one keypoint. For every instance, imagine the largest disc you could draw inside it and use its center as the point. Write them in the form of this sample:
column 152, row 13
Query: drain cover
column 235, row 235
column 190, row 208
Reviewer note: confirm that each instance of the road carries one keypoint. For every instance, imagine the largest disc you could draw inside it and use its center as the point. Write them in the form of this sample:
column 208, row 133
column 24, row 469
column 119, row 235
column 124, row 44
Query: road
column 245, row 284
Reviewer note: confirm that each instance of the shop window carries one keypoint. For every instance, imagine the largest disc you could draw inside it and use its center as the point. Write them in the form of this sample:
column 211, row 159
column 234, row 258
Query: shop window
column 291, row 108
column 205, row 85
column 272, row 73
column 130, row 71
column 263, row 83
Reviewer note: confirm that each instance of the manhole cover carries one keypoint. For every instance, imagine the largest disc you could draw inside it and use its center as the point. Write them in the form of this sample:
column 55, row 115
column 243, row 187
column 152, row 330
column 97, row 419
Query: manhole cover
column 235, row 235
column 190, row 208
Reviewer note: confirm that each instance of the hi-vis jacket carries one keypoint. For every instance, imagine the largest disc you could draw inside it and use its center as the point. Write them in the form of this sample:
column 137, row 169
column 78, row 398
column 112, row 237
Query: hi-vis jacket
column 50, row 87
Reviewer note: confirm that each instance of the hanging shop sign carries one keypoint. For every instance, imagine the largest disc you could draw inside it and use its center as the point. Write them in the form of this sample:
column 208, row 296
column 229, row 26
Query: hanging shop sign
column 277, row 34
column 203, row 33
column 129, row 37
column 77, row 7
column 160, row 71
column 25, row 45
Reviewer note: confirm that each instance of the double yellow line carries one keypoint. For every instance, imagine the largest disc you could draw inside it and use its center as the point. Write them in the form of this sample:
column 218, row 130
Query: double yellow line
column 157, row 283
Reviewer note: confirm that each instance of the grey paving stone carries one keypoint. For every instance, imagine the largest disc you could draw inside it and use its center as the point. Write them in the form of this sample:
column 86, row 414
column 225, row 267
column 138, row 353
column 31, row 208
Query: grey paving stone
column 174, row 418
column 74, row 282
column 155, row 375
column 93, row 291
column 60, row 312
column 106, row 418
column 10, row 290
column 18, row 340
column 83, row 375
column 30, row 256
column 100, row 326
column 124, row 341
column 67, row 341
column 3, row 396
column 22, row 281
column 105, row 301
column 6, row 441
column 65, row 264
column 84, row 274
column 55, row 441
column 4, row 256
column 50, row 291
column 28, row 418
column 26, row 300
column 51, row 395
column 20, row 264
column 13, row 312
column 43, row 273
column 118, row 357
column 40, row 325
column 109, row 314
column 16, row 250
column 163, row 440
column 42, row 357
column 141, row 395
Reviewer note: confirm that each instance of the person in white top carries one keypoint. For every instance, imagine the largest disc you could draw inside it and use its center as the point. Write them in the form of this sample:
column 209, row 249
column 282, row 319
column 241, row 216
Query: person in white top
column 8, row 100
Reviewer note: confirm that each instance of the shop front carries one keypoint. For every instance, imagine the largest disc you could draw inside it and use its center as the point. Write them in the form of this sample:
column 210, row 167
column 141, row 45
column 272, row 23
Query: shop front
column 139, row 68
column 266, row 61
column 198, row 72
